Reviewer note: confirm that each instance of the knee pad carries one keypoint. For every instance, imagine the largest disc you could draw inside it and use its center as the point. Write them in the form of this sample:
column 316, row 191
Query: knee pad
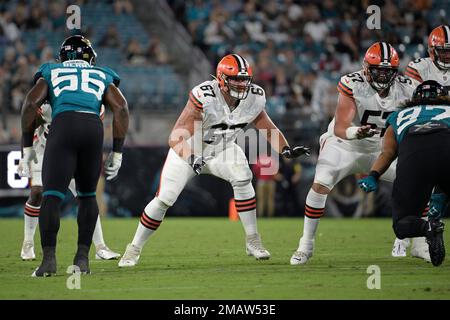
column 167, row 198
column 243, row 191
column 156, row 209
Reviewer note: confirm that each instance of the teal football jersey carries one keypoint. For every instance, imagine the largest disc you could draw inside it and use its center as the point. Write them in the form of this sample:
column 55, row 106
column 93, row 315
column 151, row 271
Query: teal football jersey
column 75, row 85
column 426, row 115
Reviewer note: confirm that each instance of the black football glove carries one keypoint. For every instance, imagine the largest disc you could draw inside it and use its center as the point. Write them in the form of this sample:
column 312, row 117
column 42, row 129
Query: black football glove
column 197, row 163
column 295, row 152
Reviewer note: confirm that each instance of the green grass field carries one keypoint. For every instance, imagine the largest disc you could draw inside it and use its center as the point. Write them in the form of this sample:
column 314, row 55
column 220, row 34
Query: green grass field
column 204, row 258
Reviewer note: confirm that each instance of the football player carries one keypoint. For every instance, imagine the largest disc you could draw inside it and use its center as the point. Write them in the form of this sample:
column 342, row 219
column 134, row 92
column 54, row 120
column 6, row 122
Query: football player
column 76, row 89
column 353, row 140
column 33, row 203
column 419, row 137
column 215, row 113
column 435, row 67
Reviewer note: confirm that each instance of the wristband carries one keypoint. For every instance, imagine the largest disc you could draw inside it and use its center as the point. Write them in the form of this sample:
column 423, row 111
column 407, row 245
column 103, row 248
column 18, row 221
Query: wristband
column 374, row 174
column 351, row 133
column 27, row 139
column 118, row 144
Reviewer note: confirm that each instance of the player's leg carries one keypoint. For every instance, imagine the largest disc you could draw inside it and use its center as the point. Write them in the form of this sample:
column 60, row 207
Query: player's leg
column 419, row 247
column 334, row 163
column 102, row 251
column 57, row 169
column 31, row 219
column 411, row 192
column 89, row 162
column 232, row 166
column 174, row 175
column 32, row 208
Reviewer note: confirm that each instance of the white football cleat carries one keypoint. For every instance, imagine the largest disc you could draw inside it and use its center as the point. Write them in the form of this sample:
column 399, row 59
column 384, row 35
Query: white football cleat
column 131, row 256
column 300, row 257
column 27, row 253
column 400, row 247
column 419, row 249
column 105, row 253
column 303, row 253
column 255, row 248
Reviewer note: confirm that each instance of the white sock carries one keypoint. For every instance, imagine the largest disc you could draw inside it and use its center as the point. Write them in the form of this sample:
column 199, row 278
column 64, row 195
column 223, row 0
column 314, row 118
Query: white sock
column 151, row 218
column 31, row 220
column 246, row 209
column 97, row 238
column 248, row 220
column 314, row 209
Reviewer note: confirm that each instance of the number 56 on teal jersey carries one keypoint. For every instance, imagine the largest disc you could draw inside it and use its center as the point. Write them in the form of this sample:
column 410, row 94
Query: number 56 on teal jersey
column 75, row 85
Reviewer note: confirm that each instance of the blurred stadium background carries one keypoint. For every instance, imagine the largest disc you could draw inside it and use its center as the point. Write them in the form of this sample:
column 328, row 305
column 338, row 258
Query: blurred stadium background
column 161, row 49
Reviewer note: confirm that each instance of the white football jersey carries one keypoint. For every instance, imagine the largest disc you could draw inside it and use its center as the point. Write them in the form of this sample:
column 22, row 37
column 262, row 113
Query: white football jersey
column 424, row 69
column 41, row 132
column 220, row 125
column 370, row 107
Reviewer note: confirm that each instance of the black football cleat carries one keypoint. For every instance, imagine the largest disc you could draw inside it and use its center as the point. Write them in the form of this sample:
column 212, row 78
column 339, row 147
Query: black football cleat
column 48, row 265
column 82, row 259
column 435, row 242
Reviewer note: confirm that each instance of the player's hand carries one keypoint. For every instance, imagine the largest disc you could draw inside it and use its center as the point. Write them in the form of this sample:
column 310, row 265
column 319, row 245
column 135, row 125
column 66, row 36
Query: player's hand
column 368, row 184
column 366, row 132
column 438, row 203
column 295, row 152
column 197, row 163
column 24, row 168
column 112, row 165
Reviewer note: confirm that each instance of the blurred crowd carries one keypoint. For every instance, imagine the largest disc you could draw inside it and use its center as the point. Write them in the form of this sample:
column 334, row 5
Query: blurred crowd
column 300, row 48
column 19, row 62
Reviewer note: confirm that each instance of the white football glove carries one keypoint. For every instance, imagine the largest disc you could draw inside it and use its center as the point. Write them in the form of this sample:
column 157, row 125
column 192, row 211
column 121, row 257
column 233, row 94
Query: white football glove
column 24, row 168
column 112, row 165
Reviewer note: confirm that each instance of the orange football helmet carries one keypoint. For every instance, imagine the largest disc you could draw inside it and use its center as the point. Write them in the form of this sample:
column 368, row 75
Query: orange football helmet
column 381, row 65
column 439, row 47
column 234, row 75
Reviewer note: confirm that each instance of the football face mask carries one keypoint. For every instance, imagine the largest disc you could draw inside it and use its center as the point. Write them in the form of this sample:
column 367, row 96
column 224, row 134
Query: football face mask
column 442, row 55
column 381, row 77
column 238, row 86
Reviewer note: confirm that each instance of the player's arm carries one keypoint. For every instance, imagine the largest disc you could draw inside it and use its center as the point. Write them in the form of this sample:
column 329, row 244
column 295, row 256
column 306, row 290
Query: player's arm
column 115, row 100
column 279, row 144
column 34, row 99
column 388, row 153
column 184, row 129
column 263, row 122
column 345, row 112
column 384, row 160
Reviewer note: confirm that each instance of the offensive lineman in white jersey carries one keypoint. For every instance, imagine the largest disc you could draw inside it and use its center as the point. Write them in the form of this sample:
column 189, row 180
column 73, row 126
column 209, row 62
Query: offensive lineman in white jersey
column 33, row 203
column 435, row 67
column 222, row 108
column 353, row 140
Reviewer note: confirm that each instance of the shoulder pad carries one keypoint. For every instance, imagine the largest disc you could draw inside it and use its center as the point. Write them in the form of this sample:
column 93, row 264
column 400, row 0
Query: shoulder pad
column 113, row 74
column 202, row 94
column 43, row 70
column 348, row 82
column 414, row 69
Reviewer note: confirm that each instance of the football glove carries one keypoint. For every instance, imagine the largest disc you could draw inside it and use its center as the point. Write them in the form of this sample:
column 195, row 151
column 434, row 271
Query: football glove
column 24, row 168
column 368, row 184
column 197, row 163
column 112, row 165
column 438, row 202
column 295, row 152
